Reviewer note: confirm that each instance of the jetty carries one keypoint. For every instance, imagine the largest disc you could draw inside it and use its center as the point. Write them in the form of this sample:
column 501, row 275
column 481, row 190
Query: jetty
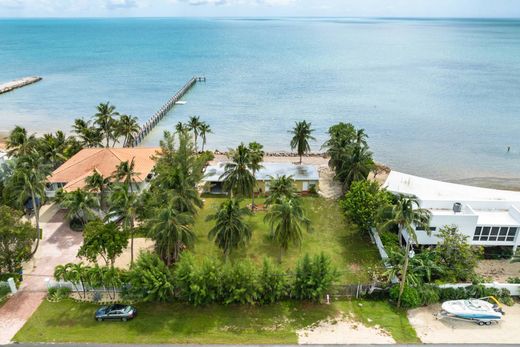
column 9, row 86
column 152, row 122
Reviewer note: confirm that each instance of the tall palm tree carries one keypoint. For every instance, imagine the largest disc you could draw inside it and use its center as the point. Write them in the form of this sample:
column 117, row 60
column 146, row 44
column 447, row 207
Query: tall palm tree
column 204, row 129
column 279, row 187
column 80, row 205
column 286, row 219
column 361, row 138
column 19, row 142
column 180, row 127
column 105, row 119
column 237, row 177
column 171, row 230
column 302, row 134
column 128, row 127
column 124, row 204
column 96, row 183
column 89, row 136
column 194, row 124
column 125, row 173
column 28, row 181
column 406, row 214
column 256, row 154
column 356, row 165
column 230, row 230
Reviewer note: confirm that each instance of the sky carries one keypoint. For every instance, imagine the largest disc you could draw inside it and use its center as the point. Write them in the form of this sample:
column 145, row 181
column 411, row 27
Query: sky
column 260, row 8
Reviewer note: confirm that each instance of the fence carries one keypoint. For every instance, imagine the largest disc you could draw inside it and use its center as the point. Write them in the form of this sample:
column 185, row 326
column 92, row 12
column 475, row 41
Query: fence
column 354, row 290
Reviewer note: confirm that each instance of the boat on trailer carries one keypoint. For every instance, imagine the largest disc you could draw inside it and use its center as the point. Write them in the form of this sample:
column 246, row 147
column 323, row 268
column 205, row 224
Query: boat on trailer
column 480, row 311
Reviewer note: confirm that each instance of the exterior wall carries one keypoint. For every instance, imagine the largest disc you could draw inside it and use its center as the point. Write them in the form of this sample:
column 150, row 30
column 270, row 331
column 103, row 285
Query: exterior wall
column 465, row 223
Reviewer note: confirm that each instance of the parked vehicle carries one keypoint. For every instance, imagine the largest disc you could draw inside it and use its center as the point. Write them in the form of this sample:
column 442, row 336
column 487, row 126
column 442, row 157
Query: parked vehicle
column 479, row 311
column 116, row 312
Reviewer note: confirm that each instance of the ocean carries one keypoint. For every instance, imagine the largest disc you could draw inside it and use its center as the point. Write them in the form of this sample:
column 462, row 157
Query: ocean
column 439, row 98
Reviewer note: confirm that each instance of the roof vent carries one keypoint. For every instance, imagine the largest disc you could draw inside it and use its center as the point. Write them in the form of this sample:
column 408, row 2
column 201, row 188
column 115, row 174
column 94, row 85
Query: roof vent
column 457, row 207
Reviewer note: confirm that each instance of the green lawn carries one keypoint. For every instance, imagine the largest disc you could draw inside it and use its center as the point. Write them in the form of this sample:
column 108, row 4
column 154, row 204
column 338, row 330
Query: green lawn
column 350, row 253
column 68, row 321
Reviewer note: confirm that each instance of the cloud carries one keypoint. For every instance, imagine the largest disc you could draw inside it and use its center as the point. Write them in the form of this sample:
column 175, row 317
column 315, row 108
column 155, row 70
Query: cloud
column 117, row 4
column 237, row 2
column 11, row 4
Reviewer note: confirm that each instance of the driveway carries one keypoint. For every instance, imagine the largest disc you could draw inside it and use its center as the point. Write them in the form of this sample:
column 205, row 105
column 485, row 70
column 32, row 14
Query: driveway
column 58, row 246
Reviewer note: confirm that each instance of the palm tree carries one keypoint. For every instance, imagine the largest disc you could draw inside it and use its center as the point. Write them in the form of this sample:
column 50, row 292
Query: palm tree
column 204, row 130
column 256, row 154
column 89, row 136
column 128, row 127
column 356, row 165
column 302, row 134
column 230, row 231
column 286, row 220
column 124, row 204
column 104, row 118
column 180, row 127
column 279, row 187
column 194, row 124
column 19, row 143
column 96, row 183
column 81, row 206
column 361, row 138
column 28, row 181
column 125, row 173
column 171, row 230
column 237, row 177
column 407, row 215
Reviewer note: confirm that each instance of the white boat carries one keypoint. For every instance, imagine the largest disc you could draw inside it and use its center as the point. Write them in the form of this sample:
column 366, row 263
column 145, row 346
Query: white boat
column 478, row 310
column 180, row 102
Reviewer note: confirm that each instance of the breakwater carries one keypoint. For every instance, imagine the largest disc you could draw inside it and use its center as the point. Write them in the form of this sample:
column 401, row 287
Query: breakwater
column 22, row 82
column 147, row 127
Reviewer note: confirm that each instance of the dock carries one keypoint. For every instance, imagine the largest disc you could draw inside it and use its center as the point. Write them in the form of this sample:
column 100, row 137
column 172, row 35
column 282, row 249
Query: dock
column 9, row 86
column 152, row 122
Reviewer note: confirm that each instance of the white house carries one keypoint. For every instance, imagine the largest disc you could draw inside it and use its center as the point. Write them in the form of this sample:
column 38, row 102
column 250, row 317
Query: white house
column 489, row 217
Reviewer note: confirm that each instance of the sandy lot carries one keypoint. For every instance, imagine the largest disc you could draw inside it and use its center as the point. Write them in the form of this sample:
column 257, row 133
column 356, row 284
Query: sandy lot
column 431, row 330
column 498, row 270
column 343, row 330
column 140, row 244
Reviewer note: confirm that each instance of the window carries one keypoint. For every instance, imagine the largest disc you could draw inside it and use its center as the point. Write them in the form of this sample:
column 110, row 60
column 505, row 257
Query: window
column 501, row 234
column 419, row 228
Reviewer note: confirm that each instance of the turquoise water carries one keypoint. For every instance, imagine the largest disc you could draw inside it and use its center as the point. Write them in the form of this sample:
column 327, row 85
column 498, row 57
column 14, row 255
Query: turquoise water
column 439, row 98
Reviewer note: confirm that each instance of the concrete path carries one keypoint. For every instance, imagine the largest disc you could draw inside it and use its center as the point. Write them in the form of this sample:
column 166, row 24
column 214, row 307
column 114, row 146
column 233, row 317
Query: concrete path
column 58, row 246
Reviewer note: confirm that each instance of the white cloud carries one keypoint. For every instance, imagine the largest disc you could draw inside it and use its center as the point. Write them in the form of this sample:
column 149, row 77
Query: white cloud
column 116, row 4
column 11, row 4
column 237, row 2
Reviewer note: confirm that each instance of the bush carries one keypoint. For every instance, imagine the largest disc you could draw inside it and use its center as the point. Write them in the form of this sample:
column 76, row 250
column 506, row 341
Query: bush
column 430, row 294
column 197, row 284
column 239, row 284
column 475, row 292
column 150, row 279
column 313, row 278
column 513, row 280
column 273, row 283
column 4, row 290
column 56, row 294
column 498, row 252
column 411, row 297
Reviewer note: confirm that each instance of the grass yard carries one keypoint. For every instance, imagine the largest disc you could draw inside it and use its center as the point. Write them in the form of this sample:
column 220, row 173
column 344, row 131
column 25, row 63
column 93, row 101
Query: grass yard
column 68, row 321
column 350, row 253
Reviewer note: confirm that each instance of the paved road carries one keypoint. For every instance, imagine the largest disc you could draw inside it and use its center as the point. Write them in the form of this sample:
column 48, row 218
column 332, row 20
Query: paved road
column 59, row 245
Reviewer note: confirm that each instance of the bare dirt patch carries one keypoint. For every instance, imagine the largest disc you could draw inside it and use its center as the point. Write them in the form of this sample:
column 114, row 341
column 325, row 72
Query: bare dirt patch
column 498, row 270
column 343, row 330
column 431, row 330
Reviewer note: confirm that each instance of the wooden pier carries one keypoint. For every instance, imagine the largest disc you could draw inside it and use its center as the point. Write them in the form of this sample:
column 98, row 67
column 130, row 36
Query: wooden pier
column 147, row 127
column 9, row 86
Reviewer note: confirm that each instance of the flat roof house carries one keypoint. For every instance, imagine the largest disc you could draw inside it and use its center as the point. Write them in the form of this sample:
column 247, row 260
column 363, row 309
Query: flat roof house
column 305, row 176
column 72, row 174
column 489, row 217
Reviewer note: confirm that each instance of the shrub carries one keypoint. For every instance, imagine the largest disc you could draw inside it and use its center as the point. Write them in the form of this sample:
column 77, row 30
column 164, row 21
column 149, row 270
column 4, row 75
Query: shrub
column 150, row 279
column 513, row 280
column 197, row 284
column 273, row 283
column 430, row 294
column 239, row 284
column 313, row 278
column 411, row 297
column 56, row 294
column 4, row 290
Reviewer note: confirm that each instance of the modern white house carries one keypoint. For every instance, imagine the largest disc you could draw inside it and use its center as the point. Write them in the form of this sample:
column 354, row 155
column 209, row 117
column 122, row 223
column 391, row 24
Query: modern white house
column 489, row 217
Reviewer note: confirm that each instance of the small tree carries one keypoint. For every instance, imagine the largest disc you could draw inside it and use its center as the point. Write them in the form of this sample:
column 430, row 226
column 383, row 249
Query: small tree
column 362, row 203
column 16, row 239
column 230, row 231
column 103, row 240
column 81, row 207
column 456, row 255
